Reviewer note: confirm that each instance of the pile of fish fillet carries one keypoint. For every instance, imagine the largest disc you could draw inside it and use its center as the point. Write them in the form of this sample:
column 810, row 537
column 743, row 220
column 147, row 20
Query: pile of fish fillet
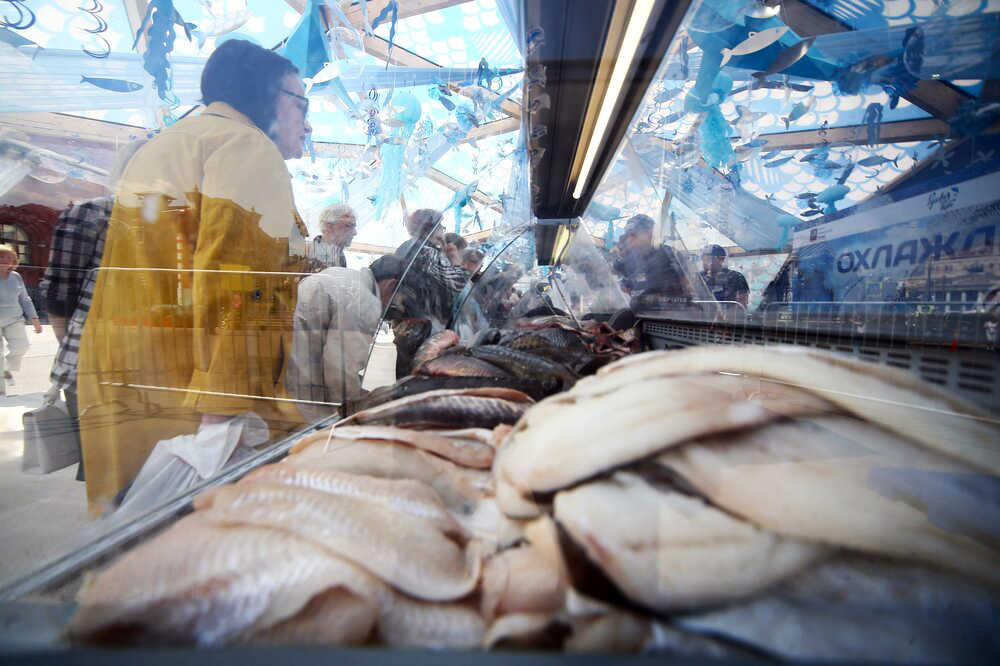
column 730, row 502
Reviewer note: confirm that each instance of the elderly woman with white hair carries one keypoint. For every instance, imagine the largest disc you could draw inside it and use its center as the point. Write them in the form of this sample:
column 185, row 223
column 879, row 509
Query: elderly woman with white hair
column 339, row 225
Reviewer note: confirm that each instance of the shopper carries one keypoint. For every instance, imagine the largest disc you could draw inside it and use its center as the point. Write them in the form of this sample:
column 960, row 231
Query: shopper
column 726, row 285
column 192, row 308
column 339, row 225
column 15, row 309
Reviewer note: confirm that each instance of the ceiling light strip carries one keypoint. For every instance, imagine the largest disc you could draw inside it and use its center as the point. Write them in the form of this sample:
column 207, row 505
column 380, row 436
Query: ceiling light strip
column 633, row 33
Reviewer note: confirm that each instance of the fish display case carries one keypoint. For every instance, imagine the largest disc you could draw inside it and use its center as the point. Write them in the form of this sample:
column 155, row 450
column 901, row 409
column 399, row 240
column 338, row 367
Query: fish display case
column 727, row 393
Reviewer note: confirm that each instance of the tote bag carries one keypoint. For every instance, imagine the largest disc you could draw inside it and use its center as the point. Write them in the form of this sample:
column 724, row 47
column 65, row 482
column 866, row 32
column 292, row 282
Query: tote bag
column 51, row 440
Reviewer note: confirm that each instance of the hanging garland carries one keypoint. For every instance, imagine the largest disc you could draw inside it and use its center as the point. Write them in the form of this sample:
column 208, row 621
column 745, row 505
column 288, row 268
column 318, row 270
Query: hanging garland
column 102, row 26
column 25, row 17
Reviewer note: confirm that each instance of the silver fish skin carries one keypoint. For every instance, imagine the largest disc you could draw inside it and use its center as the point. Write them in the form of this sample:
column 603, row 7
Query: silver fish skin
column 398, row 548
column 470, row 452
column 481, row 408
column 786, row 58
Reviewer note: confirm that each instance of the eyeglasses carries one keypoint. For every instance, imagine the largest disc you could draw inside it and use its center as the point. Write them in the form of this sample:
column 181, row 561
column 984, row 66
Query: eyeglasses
column 305, row 109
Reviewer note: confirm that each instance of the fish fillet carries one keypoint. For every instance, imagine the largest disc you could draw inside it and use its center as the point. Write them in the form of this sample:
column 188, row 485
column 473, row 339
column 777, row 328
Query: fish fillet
column 332, row 617
column 814, row 480
column 402, row 550
column 406, row 495
column 521, row 629
column 405, row 622
column 572, row 437
column 388, row 460
column 521, row 580
column 461, row 450
column 618, row 632
column 669, row 551
column 202, row 584
column 892, row 398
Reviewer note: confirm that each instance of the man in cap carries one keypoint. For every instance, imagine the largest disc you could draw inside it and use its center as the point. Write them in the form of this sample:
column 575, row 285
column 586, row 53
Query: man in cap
column 652, row 275
column 725, row 285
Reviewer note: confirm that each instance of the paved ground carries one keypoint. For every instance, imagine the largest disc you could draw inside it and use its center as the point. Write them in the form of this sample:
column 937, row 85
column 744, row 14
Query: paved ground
column 40, row 516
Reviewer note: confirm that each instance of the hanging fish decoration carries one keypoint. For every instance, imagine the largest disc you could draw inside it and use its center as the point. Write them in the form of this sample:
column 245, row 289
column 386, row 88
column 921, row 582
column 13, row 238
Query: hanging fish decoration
column 800, row 109
column 755, row 41
column 160, row 17
column 830, row 196
column 769, row 155
column 878, row 160
column 393, row 8
column 806, row 196
column 102, row 26
column 440, row 92
column 221, row 25
column 778, row 163
column 114, row 85
column 667, row 94
column 873, row 123
column 913, row 50
column 819, row 153
column 786, row 58
column 811, row 212
column 787, row 223
column 774, row 85
column 25, row 17
column 845, row 174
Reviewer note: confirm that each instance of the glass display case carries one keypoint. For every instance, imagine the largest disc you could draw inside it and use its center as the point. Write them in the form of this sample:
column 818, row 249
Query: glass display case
column 706, row 366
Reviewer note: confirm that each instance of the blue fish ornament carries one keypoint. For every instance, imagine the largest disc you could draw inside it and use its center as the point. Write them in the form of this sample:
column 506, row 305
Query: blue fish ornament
column 114, row 85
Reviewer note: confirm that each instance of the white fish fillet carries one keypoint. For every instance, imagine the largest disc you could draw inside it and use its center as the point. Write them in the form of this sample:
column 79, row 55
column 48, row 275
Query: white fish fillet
column 573, row 436
column 459, row 450
column 332, row 617
column 202, row 584
column 399, row 548
column 405, row 622
column 521, row 580
column 669, row 551
column 890, row 397
column 524, row 629
column 616, row 632
column 814, row 480
column 406, row 495
column 387, row 460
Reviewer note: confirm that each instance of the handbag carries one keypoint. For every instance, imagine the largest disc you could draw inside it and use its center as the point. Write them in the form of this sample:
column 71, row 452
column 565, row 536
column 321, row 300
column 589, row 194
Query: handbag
column 51, row 439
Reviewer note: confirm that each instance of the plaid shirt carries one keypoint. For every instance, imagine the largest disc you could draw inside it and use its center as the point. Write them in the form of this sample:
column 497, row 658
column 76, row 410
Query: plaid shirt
column 77, row 247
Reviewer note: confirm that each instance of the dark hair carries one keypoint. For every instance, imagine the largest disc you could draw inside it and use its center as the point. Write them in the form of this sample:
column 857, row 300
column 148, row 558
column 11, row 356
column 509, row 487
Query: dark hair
column 637, row 223
column 248, row 78
column 713, row 251
column 387, row 267
column 456, row 240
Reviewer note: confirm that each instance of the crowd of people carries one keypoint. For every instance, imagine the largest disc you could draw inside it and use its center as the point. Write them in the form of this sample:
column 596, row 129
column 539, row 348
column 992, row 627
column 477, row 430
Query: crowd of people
column 193, row 295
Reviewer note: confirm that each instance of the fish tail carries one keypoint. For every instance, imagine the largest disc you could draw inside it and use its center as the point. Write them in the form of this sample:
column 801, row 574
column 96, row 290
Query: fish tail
column 895, row 160
column 83, row 79
column 787, row 121
column 760, row 76
column 727, row 55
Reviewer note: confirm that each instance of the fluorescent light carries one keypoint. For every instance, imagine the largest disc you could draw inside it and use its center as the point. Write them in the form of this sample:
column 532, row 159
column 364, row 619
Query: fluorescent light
column 633, row 33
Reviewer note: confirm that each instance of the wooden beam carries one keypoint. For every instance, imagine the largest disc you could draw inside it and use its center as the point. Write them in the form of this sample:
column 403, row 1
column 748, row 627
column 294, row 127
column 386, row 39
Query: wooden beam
column 478, row 196
column 934, row 97
column 379, row 48
column 370, row 248
column 894, row 132
column 492, row 129
column 406, row 8
column 65, row 126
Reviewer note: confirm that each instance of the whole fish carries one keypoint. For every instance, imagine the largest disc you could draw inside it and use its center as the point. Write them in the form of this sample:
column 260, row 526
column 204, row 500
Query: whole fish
column 434, row 345
column 800, row 109
column 811, row 212
column 761, row 10
column 806, row 195
column 667, row 95
column 114, row 85
column 786, row 58
column 473, row 408
column 459, row 365
column 777, row 163
column 877, row 161
column 754, row 42
column 846, row 173
column 832, row 194
column 771, row 154
column 873, row 123
column 523, row 364
column 756, row 143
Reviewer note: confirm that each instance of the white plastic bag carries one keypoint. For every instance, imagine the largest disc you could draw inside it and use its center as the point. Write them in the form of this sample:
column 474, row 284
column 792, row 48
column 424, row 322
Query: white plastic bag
column 176, row 464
